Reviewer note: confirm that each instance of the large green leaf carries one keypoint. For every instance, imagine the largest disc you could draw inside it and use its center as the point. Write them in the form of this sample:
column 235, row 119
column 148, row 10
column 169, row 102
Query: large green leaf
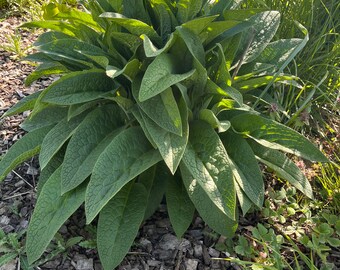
column 134, row 26
column 187, row 9
column 56, row 138
column 79, row 87
column 25, row 104
column 135, row 9
column 199, row 24
column 276, row 136
column 50, row 212
column 127, row 156
column 216, row 29
column 180, row 208
column 283, row 166
column 45, row 69
column 277, row 52
column 28, row 146
column 59, row 26
column 245, row 202
column 89, row 140
column 118, row 224
column 211, row 214
column 246, row 169
column 151, row 50
column 48, row 116
column 207, row 160
column 159, row 76
column 162, row 109
column 171, row 146
column 155, row 181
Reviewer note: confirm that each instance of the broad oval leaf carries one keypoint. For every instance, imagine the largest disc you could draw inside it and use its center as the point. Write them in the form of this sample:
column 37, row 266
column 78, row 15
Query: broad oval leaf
column 134, row 26
column 25, row 104
column 45, row 69
column 127, row 156
column 50, row 213
column 180, row 208
column 207, row 160
column 162, row 109
column 159, row 76
column 57, row 136
column 212, row 215
column 28, row 146
column 276, row 136
column 171, row 146
column 119, row 222
column 246, row 169
column 45, row 117
column 187, row 9
column 90, row 139
column 79, row 87
column 283, row 166
column 151, row 50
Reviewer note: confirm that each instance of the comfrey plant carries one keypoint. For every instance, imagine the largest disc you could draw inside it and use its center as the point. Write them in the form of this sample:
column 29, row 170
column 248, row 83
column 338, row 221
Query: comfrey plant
column 156, row 97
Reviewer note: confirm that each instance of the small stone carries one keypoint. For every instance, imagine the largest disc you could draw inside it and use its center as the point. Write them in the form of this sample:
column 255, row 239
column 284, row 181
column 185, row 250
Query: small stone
column 4, row 220
column 24, row 223
column 146, row 245
column 32, row 171
column 83, row 263
column 213, row 252
column 198, row 250
column 191, row 264
column 169, row 242
column 153, row 263
column 63, row 230
column 197, row 234
column 185, row 245
column 206, row 256
column 19, row 183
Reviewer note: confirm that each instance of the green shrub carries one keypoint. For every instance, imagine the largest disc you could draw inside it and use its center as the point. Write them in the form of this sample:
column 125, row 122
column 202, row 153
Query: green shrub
column 155, row 98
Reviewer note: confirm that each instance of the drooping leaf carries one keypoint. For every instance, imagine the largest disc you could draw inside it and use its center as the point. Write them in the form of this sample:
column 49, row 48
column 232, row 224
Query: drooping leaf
column 119, row 222
column 49, row 169
column 246, row 169
column 276, row 136
column 277, row 52
column 199, row 24
column 162, row 109
column 151, row 50
column 215, row 30
column 155, row 181
column 245, row 202
column 59, row 26
column 207, row 160
column 180, row 208
column 90, row 139
column 171, row 146
column 50, row 212
column 28, row 146
column 134, row 26
column 79, row 87
column 25, row 104
column 48, row 116
column 130, row 70
column 56, row 138
column 128, row 155
column 45, row 69
column 187, row 9
column 211, row 214
column 227, row 91
column 283, row 166
column 159, row 76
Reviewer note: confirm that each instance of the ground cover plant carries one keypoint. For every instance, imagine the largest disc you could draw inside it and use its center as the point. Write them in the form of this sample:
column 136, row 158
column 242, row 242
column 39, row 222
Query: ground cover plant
column 156, row 97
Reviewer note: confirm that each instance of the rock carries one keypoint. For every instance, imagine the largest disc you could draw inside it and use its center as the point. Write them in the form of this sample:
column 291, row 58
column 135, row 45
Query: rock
column 4, row 220
column 198, row 250
column 153, row 263
column 169, row 242
column 185, row 245
column 191, row 264
column 213, row 252
column 146, row 245
column 12, row 265
column 206, row 256
column 83, row 263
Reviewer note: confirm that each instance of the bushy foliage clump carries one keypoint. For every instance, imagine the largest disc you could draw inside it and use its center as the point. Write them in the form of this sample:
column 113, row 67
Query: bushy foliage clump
column 156, row 97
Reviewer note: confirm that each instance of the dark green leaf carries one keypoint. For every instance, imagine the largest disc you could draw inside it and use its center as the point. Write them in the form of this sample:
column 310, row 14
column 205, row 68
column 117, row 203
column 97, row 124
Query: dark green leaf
column 127, row 156
column 25, row 104
column 50, row 212
column 119, row 222
column 180, row 208
column 207, row 160
column 28, row 146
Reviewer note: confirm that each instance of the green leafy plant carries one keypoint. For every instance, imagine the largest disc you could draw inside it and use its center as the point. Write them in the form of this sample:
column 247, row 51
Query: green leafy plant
column 155, row 98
